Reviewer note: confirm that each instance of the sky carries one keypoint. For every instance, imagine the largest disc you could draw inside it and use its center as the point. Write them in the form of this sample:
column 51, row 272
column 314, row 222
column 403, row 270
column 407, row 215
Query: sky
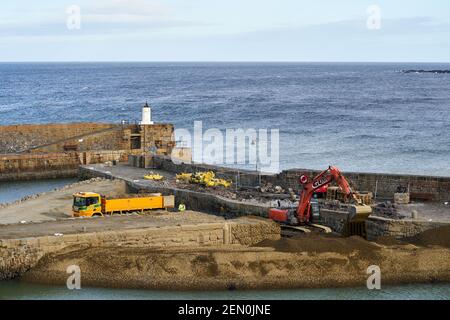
column 226, row 30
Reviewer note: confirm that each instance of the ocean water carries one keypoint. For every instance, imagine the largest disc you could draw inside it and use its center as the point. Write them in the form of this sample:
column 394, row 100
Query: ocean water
column 359, row 117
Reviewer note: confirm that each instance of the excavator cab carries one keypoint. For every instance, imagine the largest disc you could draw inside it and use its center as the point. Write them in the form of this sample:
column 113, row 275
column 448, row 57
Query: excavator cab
column 284, row 216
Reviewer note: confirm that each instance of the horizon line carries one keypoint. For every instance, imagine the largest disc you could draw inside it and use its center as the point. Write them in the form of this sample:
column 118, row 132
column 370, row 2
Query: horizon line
column 212, row 61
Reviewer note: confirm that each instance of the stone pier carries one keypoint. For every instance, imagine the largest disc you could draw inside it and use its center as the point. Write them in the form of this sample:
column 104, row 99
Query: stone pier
column 23, row 245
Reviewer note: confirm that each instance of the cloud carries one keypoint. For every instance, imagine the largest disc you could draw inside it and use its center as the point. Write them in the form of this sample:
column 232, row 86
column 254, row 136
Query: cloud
column 145, row 30
column 357, row 28
column 125, row 11
column 414, row 39
column 127, row 7
column 414, row 25
column 101, row 17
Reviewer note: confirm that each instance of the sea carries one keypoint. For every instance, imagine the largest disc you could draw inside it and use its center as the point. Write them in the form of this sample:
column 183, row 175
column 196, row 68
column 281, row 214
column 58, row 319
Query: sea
column 363, row 117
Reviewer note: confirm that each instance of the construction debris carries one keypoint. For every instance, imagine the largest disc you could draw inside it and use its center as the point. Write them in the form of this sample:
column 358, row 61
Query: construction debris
column 401, row 198
column 184, row 177
column 270, row 188
column 387, row 209
column 335, row 193
column 206, row 179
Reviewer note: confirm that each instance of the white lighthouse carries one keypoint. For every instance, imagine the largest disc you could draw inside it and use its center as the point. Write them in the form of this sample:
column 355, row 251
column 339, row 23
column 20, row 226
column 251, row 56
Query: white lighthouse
column 146, row 114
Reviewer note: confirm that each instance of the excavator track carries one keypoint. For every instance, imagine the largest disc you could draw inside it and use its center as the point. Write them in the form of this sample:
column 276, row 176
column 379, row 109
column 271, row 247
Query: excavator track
column 292, row 231
column 296, row 228
column 323, row 228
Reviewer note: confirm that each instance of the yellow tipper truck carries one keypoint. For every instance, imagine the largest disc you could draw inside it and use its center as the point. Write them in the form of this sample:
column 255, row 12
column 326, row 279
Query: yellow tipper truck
column 88, row 204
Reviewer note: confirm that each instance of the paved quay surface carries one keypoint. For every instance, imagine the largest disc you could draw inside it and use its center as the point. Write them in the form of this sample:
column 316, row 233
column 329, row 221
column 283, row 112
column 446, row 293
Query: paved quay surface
column 155, row 219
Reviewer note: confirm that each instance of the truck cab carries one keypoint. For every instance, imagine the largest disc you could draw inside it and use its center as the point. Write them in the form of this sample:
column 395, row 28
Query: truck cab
column 86, row 204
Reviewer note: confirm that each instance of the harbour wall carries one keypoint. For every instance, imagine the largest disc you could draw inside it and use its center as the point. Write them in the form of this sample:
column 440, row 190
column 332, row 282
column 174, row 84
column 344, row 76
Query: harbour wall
column 56, row 150
column 15, row 167
column 379, row 226
column 55, row 137
column 20, row 255
column 427, row 188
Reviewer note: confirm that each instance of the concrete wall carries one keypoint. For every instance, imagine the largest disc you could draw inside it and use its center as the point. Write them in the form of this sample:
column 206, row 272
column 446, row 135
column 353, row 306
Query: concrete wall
column 19, row 255
column 336, row 220
column 52, row 165
column 379, row 226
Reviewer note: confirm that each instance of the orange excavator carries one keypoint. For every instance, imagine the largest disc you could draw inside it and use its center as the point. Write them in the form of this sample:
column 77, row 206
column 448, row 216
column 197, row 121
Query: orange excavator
column 302, row 214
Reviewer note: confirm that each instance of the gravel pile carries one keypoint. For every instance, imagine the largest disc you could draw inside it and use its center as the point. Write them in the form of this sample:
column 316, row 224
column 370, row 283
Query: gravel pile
column 432, row 237
column 319, row 243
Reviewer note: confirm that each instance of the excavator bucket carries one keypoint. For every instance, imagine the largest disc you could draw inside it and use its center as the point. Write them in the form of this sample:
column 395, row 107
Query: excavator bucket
column 359, row 212
column 356, row 224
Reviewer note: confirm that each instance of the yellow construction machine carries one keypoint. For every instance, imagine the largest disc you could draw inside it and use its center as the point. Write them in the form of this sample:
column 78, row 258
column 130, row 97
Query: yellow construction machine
column 207, row 179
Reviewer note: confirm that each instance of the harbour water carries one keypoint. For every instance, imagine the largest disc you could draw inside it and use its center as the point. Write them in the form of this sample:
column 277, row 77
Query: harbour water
column 16, row 190
column 20, row 290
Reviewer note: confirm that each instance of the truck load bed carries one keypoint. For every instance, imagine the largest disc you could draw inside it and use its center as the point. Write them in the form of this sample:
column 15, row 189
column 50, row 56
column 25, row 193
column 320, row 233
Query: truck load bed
column 136, row 202
column 131, row 195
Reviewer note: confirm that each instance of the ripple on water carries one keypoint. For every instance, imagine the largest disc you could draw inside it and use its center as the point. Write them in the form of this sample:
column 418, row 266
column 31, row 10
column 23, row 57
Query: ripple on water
column 19, row 290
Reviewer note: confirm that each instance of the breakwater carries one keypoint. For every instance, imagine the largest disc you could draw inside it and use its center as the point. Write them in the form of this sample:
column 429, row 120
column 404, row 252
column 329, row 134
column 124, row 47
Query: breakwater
column 30, row 152
column 382, row 185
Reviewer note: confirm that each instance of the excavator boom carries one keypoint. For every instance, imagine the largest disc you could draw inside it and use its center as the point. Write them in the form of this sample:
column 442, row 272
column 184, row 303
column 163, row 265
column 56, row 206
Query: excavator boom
column 303, row 211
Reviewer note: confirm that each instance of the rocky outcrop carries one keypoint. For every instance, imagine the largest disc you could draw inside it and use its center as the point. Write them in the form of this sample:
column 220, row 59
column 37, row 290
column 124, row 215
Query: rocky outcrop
column 427, row 71
column 15, row 261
